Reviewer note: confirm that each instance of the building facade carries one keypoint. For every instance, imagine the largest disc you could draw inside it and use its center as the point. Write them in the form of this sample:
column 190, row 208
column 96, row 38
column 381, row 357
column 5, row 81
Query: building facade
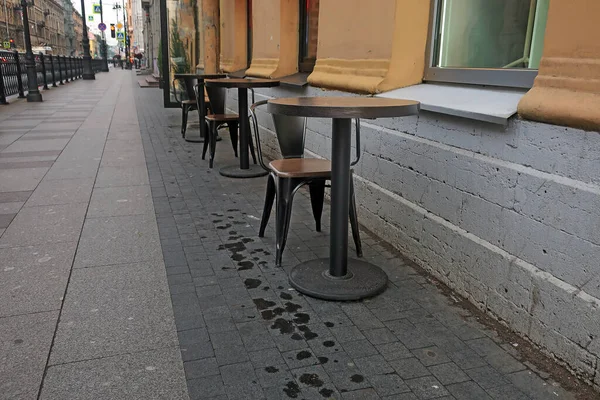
column 494, row 188
column 11, row 25
column 137, row 22
column 46, row 19
column 78, row 32
column 152, row 34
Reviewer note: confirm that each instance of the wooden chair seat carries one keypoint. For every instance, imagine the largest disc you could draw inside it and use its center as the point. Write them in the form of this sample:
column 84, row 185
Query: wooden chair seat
column 301, row 168
column 222, row 117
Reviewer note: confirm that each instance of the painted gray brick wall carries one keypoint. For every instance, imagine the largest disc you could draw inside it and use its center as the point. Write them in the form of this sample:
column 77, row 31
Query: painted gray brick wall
column 509, row 217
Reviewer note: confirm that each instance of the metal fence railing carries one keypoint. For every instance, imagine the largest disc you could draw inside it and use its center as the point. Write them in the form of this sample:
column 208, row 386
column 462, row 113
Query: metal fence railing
column 51, row 72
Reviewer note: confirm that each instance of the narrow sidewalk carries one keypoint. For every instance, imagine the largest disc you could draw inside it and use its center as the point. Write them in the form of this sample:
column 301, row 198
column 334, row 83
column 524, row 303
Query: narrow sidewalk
column 84, row 303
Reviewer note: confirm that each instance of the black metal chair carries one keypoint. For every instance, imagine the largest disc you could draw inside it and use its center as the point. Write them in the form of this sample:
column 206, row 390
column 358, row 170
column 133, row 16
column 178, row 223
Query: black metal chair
column 216, row 119
column 188, row 104
column 293, row 171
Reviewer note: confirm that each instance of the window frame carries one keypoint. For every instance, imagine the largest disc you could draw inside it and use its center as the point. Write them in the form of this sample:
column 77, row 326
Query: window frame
column 513, row 77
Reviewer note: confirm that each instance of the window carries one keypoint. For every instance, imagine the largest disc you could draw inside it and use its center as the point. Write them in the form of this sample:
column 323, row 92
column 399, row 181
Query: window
column 309, row 28
column 486, row 42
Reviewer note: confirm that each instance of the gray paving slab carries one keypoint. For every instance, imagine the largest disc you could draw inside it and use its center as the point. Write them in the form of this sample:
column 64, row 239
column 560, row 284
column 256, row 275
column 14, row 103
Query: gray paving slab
column 125, row 200
column 33, row 278
column 11, row 197
column 75, row 170
column 17, row 180
column 124, row 157
column 156, row 374
column 45, row 224
column 114, row 310
column 122, row 176
column 11, row 208
column 118, row 240
column 24, row 344
column 37, row 145
column 64, row 191
column 6, row 219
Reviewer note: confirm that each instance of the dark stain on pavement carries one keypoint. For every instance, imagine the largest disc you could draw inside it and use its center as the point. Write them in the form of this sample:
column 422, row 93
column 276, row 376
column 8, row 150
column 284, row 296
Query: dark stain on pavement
column 292, row 389
column 263, row 304
column 303, row 355
column 252, row 283
column 311, row 380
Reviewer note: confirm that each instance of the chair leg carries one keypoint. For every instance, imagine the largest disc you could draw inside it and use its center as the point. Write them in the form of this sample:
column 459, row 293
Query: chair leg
column 233, row 132
column 354, row 220
column 206, row 139
column 213, row 142
column 184, row 113
column 285, row 194
column 252, row 152
column 269, row 198
column 317, row 196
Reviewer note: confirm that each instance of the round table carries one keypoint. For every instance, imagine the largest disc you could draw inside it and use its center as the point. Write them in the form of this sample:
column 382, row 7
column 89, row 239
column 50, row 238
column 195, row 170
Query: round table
column 338, row 277
column 244, row 169
column 189, row 81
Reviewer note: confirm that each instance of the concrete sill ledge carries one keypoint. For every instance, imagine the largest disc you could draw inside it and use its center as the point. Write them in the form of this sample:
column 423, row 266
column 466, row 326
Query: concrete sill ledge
column 489, row 104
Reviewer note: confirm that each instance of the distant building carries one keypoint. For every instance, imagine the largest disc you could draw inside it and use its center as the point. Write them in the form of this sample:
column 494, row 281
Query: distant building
column 46, row 19
column 11, row 27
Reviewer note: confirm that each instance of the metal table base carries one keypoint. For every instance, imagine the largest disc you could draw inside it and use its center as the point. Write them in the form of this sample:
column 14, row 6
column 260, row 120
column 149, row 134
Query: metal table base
column 362, row 280
column 234, row 171
column 337, row 277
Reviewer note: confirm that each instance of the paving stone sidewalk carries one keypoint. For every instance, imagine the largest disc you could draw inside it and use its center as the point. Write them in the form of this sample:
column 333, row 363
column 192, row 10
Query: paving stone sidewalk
column 245, row 334
column 85, row 311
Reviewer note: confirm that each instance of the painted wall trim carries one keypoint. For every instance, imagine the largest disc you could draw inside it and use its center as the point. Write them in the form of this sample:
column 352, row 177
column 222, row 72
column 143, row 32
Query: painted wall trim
column 406, row 62
column 285, row 63
column 567, row 88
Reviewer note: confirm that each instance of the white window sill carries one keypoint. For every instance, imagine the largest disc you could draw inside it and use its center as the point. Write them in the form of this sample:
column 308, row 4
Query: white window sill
column 489, row 104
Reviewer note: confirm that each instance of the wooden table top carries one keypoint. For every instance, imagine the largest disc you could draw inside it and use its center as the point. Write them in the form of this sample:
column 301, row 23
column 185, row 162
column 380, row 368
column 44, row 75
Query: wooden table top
column 343, row 107
column 241, row 83
column 200, row 76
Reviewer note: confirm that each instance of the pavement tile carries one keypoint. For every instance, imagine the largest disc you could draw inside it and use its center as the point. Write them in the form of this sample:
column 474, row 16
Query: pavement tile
column 116, row 201
column 231, row 355
column 448, row 373
column 388, row 384
column 25, row 343
column 156, row 374
column 431, row 356
column 373, row 365
column 66, row 191
column 201, row 368
column 409, row 368
column 469, row 391
column 34, row 278
column 117, row 240
column 122, row 176
column 14, row 197
column 107, row 312
column 19, row 180
column 363, row 394
column 427, row 387
column 45, row 224
column 394, row 351
column 266, row 358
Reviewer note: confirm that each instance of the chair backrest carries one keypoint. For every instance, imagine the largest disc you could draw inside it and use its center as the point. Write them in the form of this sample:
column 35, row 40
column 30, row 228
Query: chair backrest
column 217, row 97
column 189, row 84
column 291, row 132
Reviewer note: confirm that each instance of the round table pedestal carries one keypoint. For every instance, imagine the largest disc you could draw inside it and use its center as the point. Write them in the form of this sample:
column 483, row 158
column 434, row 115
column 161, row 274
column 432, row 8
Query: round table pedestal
column 362, row 280
column 234, row 171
